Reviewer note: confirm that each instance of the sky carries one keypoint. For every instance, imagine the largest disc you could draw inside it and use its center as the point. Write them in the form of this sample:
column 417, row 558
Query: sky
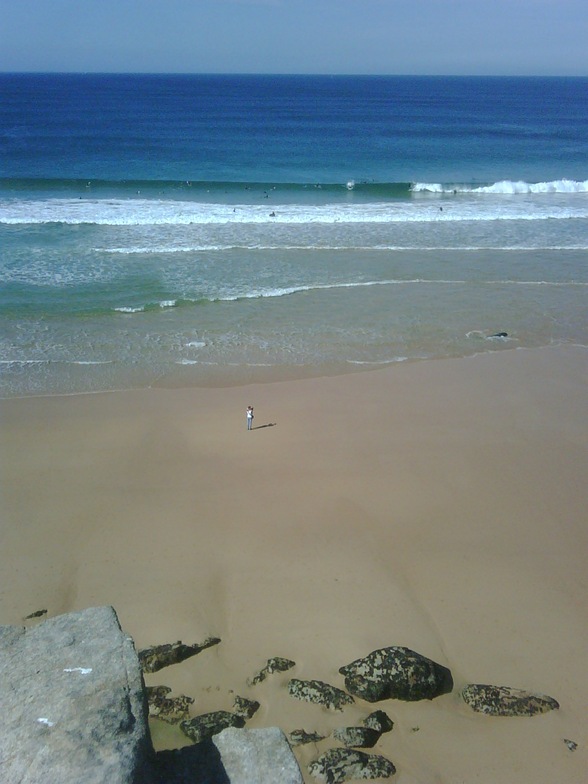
column 463, row 37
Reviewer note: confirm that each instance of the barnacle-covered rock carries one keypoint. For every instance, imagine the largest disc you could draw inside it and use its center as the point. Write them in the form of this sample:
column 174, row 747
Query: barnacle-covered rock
column 378, row 720
column 156, row 657
column 245, row 708
column 505, row 701
column 359, row 737
column 208, row 724
column 301, row 737
column 396, row 673
column 276, row 664
column 338, row 765
column 170, row 709
column 320, row 693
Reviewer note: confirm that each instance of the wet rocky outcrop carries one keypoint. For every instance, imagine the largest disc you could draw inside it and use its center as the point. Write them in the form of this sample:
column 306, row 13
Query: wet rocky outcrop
column 396, row 673
column 169, row 709
column 338, row 765
column 245, row 708
column 157, row 657
column 206, row 725
column 275, row 664
column 506, row 701
column 75, row 711
column 366, row 736
column 320, row 693
column 358, row 737
column 301, row 737
column 379, row 720
column 35, row 614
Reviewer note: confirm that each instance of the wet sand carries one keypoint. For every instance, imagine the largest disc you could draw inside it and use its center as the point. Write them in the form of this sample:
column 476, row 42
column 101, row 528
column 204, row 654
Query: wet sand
column 438, row 505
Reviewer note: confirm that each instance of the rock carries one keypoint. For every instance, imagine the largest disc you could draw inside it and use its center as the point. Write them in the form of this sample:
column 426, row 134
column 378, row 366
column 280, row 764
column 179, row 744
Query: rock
column 505, row 701
column 245, row 708
column 170, row 709
column 338, row 765
column 73, row 706
column 260, row 756
column 36, row 614
column 378, row 720
column 301, row 737
column 208, row 724
column 320, row 693
column 362, row 737
column 156, row 657
column 396, row 673
column 277, row 664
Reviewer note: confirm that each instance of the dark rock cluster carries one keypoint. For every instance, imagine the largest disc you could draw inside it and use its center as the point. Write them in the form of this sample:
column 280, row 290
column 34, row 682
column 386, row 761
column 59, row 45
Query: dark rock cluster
column 103, row 673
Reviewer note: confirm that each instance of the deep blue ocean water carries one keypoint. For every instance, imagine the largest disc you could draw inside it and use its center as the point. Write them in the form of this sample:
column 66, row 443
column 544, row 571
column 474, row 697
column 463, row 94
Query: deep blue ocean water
column 171, row 230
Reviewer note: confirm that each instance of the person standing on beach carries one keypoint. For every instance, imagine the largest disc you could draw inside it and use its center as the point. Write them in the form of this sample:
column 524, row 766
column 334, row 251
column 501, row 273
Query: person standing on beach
column 249, row 417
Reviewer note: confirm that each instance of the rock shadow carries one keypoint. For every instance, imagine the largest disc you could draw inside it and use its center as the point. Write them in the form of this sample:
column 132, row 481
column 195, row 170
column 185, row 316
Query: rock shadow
column 197, row 764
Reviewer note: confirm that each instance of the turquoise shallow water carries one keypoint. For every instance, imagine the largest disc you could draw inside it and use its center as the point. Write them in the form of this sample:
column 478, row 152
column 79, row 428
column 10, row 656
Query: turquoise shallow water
column 201, row 230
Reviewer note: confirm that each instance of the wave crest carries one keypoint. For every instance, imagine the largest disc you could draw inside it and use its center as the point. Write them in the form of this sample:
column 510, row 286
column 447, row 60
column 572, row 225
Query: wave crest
column 509, row 187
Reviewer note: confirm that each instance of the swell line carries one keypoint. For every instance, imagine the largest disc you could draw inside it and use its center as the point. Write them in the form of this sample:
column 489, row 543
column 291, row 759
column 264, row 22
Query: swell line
column 170, row 249
column 372, row 188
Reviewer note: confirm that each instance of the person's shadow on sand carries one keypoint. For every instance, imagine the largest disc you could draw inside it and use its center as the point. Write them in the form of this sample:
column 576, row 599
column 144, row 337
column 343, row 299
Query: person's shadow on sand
column 269, row 424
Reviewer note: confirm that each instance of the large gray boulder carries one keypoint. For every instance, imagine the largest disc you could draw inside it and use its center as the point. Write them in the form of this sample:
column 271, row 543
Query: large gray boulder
column 396, row 673
column 72, row 703
column 261, row 756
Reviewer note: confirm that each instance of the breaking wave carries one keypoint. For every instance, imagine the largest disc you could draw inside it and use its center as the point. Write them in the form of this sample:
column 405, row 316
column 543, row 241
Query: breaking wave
column 508, row 187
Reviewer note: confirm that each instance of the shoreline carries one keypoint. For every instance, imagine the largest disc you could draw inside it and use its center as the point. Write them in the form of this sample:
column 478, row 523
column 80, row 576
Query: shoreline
column 282, row 374
column 438, row 505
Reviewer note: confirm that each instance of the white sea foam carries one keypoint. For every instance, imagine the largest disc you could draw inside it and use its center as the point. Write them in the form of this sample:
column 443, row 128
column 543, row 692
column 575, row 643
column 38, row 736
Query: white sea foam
column 376, row 362
column 131, row 250
column 498, row 336
column 17, row 362
column 288, row 291
column 556, row 186
column 508, row 187
column 169, row 303
column 143, row 212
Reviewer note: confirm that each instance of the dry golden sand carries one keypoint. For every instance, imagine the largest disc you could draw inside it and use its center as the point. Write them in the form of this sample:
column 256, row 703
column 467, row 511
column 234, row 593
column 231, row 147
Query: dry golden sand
column 439, row 505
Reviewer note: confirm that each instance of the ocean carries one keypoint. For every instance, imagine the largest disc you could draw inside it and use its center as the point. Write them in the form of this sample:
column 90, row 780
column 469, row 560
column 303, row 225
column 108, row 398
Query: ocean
column 180, row 230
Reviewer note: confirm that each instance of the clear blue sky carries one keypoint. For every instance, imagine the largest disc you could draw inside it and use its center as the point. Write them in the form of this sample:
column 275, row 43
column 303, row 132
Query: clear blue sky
column 517, row 37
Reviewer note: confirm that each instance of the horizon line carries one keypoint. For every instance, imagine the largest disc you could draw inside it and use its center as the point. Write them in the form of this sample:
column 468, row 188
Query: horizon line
column 295, row 74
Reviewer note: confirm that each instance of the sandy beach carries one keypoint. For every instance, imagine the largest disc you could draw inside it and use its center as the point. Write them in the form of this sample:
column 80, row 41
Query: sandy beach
column 438, row 505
